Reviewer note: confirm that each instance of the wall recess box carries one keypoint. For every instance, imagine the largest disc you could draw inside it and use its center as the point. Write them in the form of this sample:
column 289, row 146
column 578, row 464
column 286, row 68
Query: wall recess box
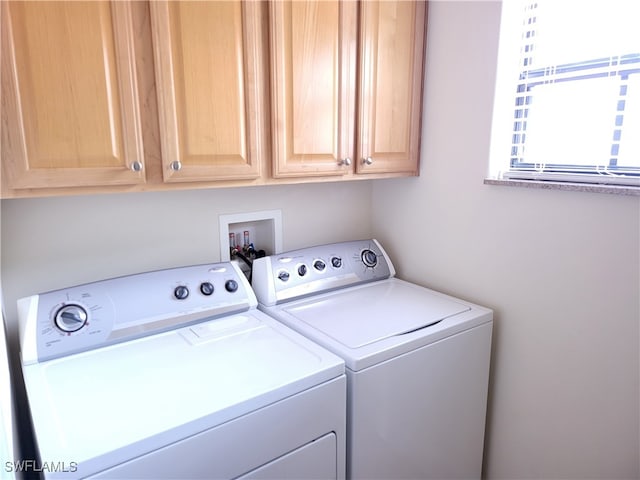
column 265, row 231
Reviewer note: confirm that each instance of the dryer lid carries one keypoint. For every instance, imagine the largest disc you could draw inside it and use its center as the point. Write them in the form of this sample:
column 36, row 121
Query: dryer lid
column 144, row 394
column 362, row 316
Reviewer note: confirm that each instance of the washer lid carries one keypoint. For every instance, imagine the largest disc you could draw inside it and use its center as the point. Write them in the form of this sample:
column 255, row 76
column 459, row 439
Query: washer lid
column 360, row 317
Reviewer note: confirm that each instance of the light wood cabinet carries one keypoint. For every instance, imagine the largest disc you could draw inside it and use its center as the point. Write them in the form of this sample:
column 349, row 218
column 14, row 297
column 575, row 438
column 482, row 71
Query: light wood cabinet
column 210, row 83
column 392, row 35
column 319, row 63
column 313, row 62
column 220, row 93
column 69, row 98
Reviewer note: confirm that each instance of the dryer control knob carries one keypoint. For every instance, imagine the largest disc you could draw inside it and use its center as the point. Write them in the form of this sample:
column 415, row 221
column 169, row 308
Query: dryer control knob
column 206, row 288
column 319, row 265
column 71, row 318
column 283, row 276
column 181, row 292
column 231, row 286
column 302, row 270
column 336, row 262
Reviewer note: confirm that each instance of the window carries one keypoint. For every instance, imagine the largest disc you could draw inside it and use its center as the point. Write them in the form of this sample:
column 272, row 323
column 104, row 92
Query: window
column 567, row 103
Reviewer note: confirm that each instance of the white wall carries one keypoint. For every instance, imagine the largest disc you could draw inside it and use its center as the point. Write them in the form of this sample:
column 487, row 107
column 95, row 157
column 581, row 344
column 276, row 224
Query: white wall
column 561, row 270
column 50, row 243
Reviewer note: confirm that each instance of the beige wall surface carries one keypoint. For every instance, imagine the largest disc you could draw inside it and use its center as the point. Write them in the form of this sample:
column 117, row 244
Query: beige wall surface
column 50, row 243
column 560, row 269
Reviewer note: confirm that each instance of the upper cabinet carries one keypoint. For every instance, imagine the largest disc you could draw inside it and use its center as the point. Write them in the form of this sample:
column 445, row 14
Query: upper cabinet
column 210, row 81
column 69, row 98
column 392, row 35
column 106, row 96
column 319, row 63
column 313, row 72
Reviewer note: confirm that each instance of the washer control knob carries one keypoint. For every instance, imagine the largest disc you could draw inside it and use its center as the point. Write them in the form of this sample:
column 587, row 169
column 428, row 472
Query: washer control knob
column 181, row 292
column 336, row 262
column 71, row 318
column 283, row 276
column 369, row 258
column 231, row 286
column 319, row 265
column 206, row 288
column 302, row 270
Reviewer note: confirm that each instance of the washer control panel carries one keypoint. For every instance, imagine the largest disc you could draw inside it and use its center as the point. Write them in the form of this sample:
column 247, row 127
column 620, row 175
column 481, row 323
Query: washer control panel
column 298, row 273
column 96, row 314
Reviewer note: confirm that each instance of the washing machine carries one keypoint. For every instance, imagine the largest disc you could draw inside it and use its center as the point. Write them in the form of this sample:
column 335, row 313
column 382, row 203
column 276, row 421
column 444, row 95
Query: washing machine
column 417, row 360
column 176, row 374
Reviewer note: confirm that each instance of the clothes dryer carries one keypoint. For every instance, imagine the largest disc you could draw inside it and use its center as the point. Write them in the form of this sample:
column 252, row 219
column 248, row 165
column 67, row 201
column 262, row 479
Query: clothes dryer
column 176, row 374
column 417, row 360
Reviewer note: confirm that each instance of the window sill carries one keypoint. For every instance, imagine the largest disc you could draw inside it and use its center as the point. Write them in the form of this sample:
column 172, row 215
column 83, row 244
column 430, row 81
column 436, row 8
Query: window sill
column 567, row 186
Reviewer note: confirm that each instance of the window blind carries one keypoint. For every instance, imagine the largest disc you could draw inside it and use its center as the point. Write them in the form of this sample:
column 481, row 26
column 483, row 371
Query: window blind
column 577, row 93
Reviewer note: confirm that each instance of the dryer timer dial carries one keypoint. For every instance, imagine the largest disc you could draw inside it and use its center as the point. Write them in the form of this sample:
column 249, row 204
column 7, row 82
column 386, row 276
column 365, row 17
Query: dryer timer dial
column 71, row 318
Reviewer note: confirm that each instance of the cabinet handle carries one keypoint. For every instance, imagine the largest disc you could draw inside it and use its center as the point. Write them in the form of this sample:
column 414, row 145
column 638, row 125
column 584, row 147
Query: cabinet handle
column 346, row 162
column 176, row 166
column 367, row 161
column 136, row 166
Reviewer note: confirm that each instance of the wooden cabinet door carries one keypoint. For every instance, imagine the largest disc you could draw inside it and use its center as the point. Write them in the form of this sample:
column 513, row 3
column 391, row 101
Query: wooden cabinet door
column 392, row 35
column 70, row 114
column 210, row 85
column 313, row 61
